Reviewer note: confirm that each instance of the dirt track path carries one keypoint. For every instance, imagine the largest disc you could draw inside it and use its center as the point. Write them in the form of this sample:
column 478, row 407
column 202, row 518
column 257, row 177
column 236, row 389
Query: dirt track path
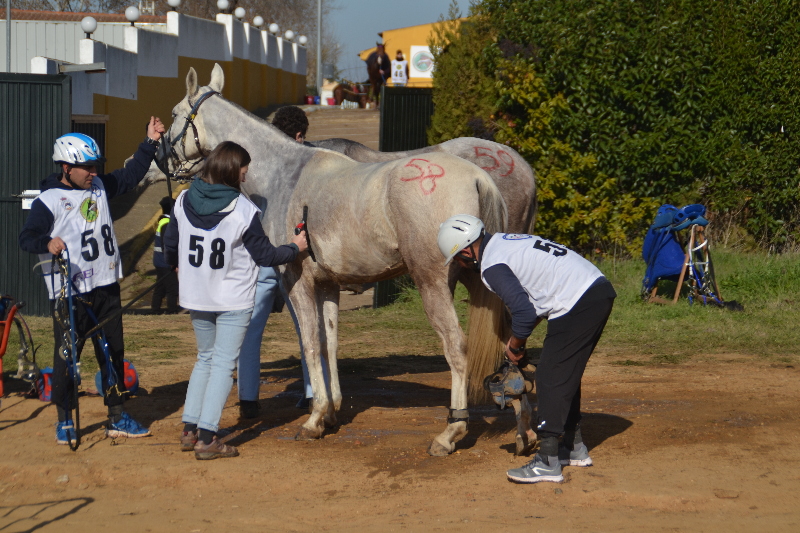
column 707, row 446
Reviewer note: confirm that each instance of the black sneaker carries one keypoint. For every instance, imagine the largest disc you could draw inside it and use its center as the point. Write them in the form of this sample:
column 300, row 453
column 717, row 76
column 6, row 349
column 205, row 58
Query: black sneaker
column 249, row 409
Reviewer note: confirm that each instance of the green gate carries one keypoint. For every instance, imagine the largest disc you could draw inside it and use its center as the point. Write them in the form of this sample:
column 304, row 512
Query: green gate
column 36, row 110
column 405, row 117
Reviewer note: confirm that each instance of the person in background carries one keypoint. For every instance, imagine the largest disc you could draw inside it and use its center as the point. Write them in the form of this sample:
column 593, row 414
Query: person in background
column 292, row 121
column 399, row 70
column 216, row 241
column 166, row 278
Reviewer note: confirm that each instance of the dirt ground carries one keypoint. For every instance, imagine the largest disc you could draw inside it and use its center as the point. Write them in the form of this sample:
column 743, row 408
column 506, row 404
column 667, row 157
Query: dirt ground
column 709, row 445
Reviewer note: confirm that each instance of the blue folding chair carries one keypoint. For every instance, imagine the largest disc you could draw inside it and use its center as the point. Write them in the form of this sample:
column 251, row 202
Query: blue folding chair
column 667, row 260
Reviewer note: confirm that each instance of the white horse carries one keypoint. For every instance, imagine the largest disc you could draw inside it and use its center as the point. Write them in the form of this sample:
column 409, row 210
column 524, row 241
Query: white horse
column 365, row 222
column 511, row 173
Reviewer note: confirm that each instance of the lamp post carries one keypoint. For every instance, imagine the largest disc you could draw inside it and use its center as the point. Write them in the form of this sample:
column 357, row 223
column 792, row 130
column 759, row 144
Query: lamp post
column 223, row 5
column 8, row 35
column 88, row 25
column 132, row 14
column 319, row 48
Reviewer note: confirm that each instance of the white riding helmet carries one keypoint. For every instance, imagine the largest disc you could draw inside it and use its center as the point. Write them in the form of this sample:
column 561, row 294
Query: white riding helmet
column 458, row 232
column 76, row 149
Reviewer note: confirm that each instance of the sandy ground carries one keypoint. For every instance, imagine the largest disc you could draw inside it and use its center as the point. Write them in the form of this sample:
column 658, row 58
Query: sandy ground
column 704, row 446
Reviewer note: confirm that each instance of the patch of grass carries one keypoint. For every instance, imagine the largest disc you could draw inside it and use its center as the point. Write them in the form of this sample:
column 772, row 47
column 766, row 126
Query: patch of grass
column 628, row 362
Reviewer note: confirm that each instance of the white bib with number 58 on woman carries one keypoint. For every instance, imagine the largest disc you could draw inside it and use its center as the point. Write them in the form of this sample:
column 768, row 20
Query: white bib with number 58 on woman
column 217, row 271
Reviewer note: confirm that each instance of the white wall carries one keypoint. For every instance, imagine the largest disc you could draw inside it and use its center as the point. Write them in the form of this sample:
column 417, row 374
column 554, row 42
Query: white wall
column 57, row 40
column 144, row 50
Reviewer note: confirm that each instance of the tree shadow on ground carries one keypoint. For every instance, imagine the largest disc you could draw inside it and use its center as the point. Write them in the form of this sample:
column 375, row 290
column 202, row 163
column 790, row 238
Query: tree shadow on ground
column 34, row 516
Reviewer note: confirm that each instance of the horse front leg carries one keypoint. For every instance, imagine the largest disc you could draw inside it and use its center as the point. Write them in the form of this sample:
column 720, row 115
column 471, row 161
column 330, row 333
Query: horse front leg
column 328, row 301
column 303, row 295
column 437, row 299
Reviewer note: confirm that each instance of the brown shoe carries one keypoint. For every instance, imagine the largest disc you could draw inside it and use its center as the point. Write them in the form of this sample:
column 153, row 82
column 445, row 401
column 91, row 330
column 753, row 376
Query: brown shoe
column 215, row 450
column 188, row 440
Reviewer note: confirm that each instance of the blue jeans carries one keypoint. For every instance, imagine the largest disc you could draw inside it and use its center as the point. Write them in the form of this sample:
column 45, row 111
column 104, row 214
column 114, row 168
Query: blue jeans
column 219, row 338
column 249, row 375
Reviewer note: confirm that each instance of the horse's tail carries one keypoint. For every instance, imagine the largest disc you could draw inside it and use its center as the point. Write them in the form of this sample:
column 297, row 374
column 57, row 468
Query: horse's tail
column 487, row 316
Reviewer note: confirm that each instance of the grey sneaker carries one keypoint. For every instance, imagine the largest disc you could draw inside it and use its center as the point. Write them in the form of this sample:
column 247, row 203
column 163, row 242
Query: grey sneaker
column 540, row 469
column 577, row 457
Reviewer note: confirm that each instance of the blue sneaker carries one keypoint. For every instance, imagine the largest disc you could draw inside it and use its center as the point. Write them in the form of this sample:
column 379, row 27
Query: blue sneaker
column 126, row 427
column 65, row 433
column 540, row 469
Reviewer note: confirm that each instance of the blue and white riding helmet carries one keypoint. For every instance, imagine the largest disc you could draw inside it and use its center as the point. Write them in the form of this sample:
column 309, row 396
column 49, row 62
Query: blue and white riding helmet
column 77, row 149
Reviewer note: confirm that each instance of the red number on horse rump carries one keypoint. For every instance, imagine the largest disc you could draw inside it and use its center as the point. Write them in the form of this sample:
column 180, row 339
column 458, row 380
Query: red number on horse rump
column 427, row 177
column 502, row 155
column 481, row 151
column 506, row 158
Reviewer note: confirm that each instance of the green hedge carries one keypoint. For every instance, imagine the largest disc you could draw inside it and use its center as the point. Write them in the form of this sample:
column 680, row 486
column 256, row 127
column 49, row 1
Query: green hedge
column 644, row 102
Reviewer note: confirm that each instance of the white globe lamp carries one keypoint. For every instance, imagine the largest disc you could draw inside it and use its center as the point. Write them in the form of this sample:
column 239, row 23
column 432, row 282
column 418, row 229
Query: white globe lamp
column 88, row 25
column 289, row 35
column 258, row 21
column 132, row 14
column 239, row 12
column 303, row 40
column 274, row 28
column 223, row 5
column 174, row 4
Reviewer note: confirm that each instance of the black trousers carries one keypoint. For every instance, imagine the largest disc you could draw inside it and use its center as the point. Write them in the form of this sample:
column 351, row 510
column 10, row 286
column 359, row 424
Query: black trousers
column 569, row 343
column 103, row 301
column 168, row 286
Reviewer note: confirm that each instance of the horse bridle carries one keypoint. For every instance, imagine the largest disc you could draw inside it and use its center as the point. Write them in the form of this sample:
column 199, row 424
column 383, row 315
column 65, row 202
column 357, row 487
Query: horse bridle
column 166, row 150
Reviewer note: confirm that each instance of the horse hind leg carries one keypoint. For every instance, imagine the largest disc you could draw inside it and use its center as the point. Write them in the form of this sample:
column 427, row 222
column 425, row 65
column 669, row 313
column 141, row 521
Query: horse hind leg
column 437, row 299
column 525, row 438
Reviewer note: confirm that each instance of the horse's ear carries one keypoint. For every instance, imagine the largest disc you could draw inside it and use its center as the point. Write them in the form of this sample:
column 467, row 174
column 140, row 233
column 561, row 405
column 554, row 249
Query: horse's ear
column 217, row 78
column 191, row 83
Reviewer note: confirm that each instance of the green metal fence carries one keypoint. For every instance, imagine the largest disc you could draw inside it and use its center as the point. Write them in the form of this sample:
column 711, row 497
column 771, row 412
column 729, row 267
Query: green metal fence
column 405, row 117
column 35, row 110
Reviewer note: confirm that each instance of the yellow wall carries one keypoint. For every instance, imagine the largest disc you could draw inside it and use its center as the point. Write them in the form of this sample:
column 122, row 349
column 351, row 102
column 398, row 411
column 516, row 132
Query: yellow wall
column 251, row 85
column 403, row 39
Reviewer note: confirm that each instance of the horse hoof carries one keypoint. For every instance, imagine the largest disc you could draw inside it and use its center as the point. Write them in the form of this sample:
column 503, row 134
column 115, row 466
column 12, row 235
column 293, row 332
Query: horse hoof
column 523, row 447
column 307, row 434
column 437, row 450
column 330, row 423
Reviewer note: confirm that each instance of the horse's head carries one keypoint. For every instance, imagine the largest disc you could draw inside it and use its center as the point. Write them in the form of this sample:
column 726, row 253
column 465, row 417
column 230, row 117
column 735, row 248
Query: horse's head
column 185, row 147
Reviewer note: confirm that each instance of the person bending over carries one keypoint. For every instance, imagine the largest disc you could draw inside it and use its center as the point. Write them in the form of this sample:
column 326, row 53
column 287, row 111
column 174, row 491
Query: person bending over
column 539, row 279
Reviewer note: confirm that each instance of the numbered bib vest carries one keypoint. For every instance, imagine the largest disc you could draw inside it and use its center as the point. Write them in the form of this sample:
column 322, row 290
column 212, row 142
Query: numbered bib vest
column 83, row 221
column 553, row 276
column 399, row 72
column 215, row 270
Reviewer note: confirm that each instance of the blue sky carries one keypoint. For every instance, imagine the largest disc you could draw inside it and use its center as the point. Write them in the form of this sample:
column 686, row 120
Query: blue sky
column 356, row 24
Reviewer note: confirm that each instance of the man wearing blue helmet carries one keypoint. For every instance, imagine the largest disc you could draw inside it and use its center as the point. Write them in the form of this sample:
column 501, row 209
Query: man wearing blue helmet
column 72, row 213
